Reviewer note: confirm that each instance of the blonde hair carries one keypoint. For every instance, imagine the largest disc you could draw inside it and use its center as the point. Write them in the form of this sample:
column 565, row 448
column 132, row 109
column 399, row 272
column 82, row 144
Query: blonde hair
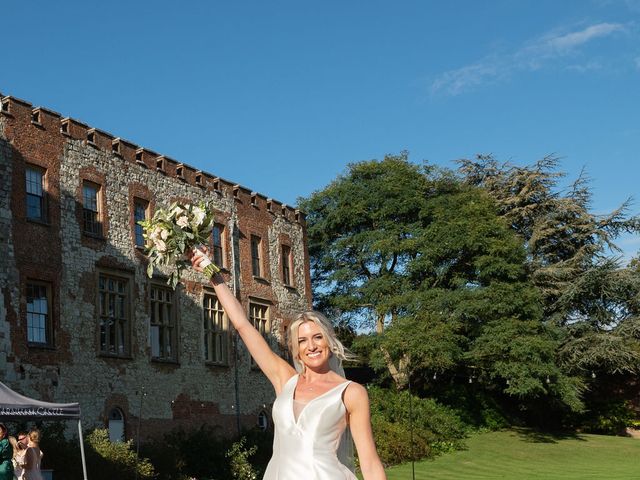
column 15, row 444
column 34, row 436
column 338, row 352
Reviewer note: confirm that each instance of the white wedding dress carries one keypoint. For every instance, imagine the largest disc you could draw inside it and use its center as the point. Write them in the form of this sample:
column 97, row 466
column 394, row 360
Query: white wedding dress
column 306, row 447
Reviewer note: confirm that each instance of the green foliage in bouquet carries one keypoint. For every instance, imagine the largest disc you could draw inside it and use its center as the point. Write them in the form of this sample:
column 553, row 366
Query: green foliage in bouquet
column 173, row 232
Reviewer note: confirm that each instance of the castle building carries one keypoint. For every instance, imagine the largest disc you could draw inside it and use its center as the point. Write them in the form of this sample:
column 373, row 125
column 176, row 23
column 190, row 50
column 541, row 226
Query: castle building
column 80, row 321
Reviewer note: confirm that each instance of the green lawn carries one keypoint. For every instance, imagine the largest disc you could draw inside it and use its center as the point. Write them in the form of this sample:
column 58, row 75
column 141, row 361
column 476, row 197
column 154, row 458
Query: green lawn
column 525, row 455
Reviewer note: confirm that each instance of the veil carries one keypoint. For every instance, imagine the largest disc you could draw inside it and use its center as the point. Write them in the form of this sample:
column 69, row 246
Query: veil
column 345, row 448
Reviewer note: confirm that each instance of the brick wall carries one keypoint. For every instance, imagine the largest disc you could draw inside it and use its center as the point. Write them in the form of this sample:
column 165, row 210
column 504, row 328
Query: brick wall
column 185, row 391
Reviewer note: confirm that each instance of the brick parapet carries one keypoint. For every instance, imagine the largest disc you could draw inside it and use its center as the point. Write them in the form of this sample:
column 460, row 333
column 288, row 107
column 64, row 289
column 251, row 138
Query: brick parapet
column 22, row 111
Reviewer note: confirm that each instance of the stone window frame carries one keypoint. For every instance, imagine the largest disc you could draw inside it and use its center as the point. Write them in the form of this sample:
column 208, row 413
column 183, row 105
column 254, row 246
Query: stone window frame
column 122, row 418
column 129, row 304
column 49, row 321
column 262, row 421
column 209, row 335
column 256, row 250
column 91, row 175
column 141, row 193
column 174, row 323
column 137, row 229
column 265, row 326
column 44, row 197
column 219, row 252
column 287, row 265
column 91, row 216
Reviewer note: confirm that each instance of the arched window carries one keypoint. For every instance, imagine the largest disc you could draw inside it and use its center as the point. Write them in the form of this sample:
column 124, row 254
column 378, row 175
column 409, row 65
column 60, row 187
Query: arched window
column 263, row 421
column 116, row 425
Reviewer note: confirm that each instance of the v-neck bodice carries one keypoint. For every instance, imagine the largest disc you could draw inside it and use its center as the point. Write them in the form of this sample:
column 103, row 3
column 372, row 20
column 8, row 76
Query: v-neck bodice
column 306, row 447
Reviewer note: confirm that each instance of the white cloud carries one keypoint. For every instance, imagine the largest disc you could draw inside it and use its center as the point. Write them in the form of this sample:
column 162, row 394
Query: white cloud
column 533, row 55
column 563, row 43
column 585, row 67
column 457, row 81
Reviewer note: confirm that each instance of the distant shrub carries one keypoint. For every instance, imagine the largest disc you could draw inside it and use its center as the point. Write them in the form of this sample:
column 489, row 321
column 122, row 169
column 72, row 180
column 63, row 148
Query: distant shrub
column 115, row 459
column 434, row 428
column 609, row 418
column 175, row 457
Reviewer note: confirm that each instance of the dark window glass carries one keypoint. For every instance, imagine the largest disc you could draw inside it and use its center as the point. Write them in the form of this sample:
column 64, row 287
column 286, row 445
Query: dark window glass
column 255, row 255
column 215, row 331
column 90, row 209
column 217, row 236
column 38, row 314
column 139, row 213
column 163, row 331
column 35, row 194
column 286, row 264
column 113, row 314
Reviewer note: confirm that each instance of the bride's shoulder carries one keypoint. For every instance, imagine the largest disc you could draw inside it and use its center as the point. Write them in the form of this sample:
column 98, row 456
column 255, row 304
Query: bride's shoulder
column 355, row 394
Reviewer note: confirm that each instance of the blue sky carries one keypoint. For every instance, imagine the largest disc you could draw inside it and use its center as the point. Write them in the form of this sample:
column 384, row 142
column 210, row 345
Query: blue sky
column 280, row 96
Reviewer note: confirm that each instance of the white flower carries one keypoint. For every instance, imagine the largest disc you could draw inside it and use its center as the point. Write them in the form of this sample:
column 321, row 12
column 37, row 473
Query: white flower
column 182, row 221
column 164, row 234
column 156, row 233
column 160, row 245
column 198, row 216
column 176, row 211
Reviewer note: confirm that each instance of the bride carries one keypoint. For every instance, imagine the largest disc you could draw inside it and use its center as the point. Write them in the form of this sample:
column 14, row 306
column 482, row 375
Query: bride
column 314, row 403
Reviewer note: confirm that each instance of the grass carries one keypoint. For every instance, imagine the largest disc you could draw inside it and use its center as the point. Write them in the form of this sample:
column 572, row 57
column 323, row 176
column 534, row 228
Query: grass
column 523, row 455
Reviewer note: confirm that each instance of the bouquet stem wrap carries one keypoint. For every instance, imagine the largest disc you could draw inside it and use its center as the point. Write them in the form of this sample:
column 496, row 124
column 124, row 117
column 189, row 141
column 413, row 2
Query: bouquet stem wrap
column 208, row 267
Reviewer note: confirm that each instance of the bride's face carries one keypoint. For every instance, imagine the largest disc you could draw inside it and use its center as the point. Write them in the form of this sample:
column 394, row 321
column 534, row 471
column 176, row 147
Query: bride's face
column 313, row 348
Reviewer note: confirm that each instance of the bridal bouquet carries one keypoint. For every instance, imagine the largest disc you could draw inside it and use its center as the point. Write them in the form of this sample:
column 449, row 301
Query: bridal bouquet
column 173, row 232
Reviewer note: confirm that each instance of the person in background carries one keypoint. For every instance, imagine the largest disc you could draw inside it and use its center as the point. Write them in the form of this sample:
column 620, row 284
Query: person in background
column 18, row 455
column 33, row 457
column 6, row 454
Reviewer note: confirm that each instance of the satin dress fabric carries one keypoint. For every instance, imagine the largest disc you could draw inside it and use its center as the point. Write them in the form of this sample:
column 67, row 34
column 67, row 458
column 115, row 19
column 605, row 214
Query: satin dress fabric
column 6, row 454
column 306, row 448
column 35, row 458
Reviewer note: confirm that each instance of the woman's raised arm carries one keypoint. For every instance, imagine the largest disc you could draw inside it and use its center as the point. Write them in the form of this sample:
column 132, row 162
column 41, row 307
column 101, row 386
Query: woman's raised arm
column 277, row 370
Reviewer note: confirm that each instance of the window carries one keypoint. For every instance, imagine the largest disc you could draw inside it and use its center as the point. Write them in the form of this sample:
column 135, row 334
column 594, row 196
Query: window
column 286, row 264
column 217, row 241
column 256, row 266
column 215, row 331
column 139, row 213
column 259, row 317
column 90, row 209
column 114, row 314
column 163, row 323
column 36, row 205
column 263, row 421
column 39, row 313
column 116, row 425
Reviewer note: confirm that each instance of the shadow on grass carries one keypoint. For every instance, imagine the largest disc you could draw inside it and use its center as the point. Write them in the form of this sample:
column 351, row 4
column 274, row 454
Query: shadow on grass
column 538, row 436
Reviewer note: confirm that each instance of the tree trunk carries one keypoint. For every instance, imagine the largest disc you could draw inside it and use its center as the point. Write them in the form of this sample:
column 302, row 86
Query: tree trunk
column 380, row 323
column 398, row 373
